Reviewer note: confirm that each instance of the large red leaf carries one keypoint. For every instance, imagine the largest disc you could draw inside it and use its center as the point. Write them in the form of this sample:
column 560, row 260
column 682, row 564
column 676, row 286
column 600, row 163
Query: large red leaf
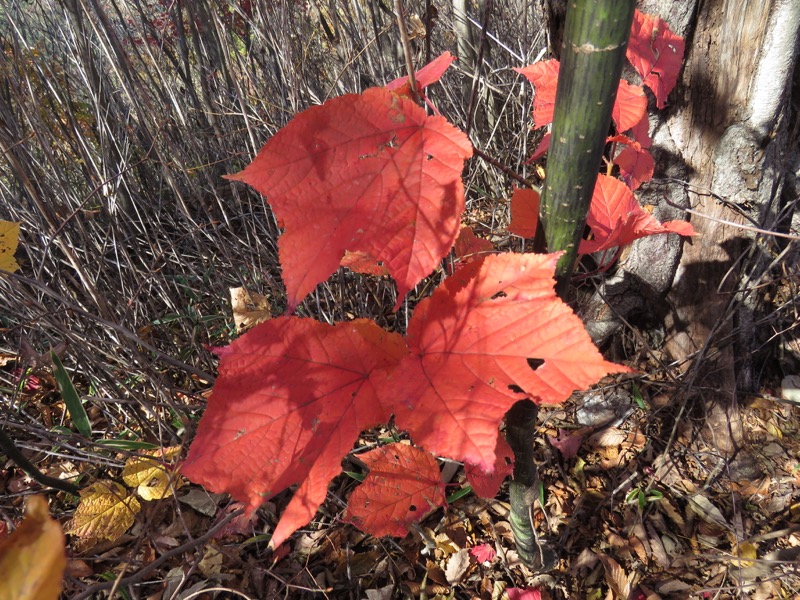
column 469, row 348
column 370, row 173
column 656, row 53
column 617, row 219
column 629, row 107
column 291, row 398
column 486, row 485
column 404, row 484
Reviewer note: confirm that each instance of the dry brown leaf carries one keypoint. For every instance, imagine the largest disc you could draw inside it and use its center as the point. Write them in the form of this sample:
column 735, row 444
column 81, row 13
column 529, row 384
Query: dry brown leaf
column 249, row 309
column 616, row 578
column 457, row 566
column 211, row 563
column 703, row 508
column 106, row 511
column 32, row 559
column 150, row 477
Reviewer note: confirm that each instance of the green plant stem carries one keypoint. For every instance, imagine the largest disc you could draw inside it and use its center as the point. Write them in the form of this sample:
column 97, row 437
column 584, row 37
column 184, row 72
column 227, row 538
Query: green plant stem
column 592, row 55
column 8, row 446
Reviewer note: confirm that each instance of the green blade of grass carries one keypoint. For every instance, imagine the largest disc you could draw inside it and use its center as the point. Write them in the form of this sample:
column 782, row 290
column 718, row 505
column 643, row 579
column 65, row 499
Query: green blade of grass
column 71, row 399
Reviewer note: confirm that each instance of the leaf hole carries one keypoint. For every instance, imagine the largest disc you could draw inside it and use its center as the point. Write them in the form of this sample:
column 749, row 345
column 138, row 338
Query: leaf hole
column 499, row 295
column 535, row 363
column 412, row 508
column 516, row 389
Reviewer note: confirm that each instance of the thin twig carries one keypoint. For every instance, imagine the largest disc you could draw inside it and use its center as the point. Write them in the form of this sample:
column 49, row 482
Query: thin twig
column 10, row 449
column 476, row 76
column 505, row 169
column 401, row 24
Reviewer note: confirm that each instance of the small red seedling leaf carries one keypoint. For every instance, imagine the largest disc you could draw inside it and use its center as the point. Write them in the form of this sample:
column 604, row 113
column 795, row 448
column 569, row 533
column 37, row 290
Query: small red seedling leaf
column 427, row 75
column 544, row 77
column 483, row 553
column 291, row 398
column 523, row 594
column 404, row 485
column 629, row 107
column 567, row 443
column 364, row 172
column 469, row 348
column 524, row 212
column 656, row 53
column 636, row 165
column 469, row 246
column 363, row 262
column 617, row 219
column 487, row 485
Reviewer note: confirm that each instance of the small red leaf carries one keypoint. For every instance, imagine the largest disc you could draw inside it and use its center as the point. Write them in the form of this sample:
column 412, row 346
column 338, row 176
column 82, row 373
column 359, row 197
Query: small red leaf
column 523, row 594
column 427, row 75
column 524, row 212
column 404, row 484
column 567, row 443
column 635, row 164
column 544, row 77
column 630, row 106
column 483, row 553
column 370, row 173
column 469, row 347
column 291, row 398
column 363, row 262
column 541, row 149
column 468, row 246
column 487, row 485
column 617, row 219
column 656, row 53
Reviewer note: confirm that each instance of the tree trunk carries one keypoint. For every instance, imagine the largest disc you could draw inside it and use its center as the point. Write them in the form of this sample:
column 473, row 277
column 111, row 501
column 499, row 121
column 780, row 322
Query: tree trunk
column 722, row 148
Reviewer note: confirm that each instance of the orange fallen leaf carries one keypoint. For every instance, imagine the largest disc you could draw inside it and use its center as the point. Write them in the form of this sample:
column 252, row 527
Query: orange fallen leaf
column 32, row 559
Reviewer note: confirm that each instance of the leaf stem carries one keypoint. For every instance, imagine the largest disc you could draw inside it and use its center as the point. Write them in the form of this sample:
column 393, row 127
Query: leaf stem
column 8, row 446
column 401, row 24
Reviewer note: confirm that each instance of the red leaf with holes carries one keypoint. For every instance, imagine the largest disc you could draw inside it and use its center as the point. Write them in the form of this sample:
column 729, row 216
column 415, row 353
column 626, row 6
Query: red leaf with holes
column 427, row 75
column 364, row 172
column 629, row 107
column 524, row 212
column 404, row 484
column 656, row 53
column 469, row 348
column 486, row 485
column 362, row 262
column 617, row 219
column 635, row 164
column 291, row 398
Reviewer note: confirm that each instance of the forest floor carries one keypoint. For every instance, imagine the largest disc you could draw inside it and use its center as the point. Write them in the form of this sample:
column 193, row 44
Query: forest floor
column 634, row 501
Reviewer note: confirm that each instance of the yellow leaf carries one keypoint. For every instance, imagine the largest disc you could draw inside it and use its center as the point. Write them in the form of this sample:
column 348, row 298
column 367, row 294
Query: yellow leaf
column 32, row 559
column 153, row 479
column 249, row 309
column 105, row 511
column 9, row 239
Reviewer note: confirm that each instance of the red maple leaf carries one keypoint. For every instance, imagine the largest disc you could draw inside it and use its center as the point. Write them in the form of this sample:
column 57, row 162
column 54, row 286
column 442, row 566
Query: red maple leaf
column 524, row 212
column 363, row 262
column 469, row 347
column 629, row 107
column 656, row 53
column 291, row 398
column 404, row 484
column 635, row 164
column 364, row 172
column 427, row 75
column 483, row 553
column 617, row 219
column 486, row 485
